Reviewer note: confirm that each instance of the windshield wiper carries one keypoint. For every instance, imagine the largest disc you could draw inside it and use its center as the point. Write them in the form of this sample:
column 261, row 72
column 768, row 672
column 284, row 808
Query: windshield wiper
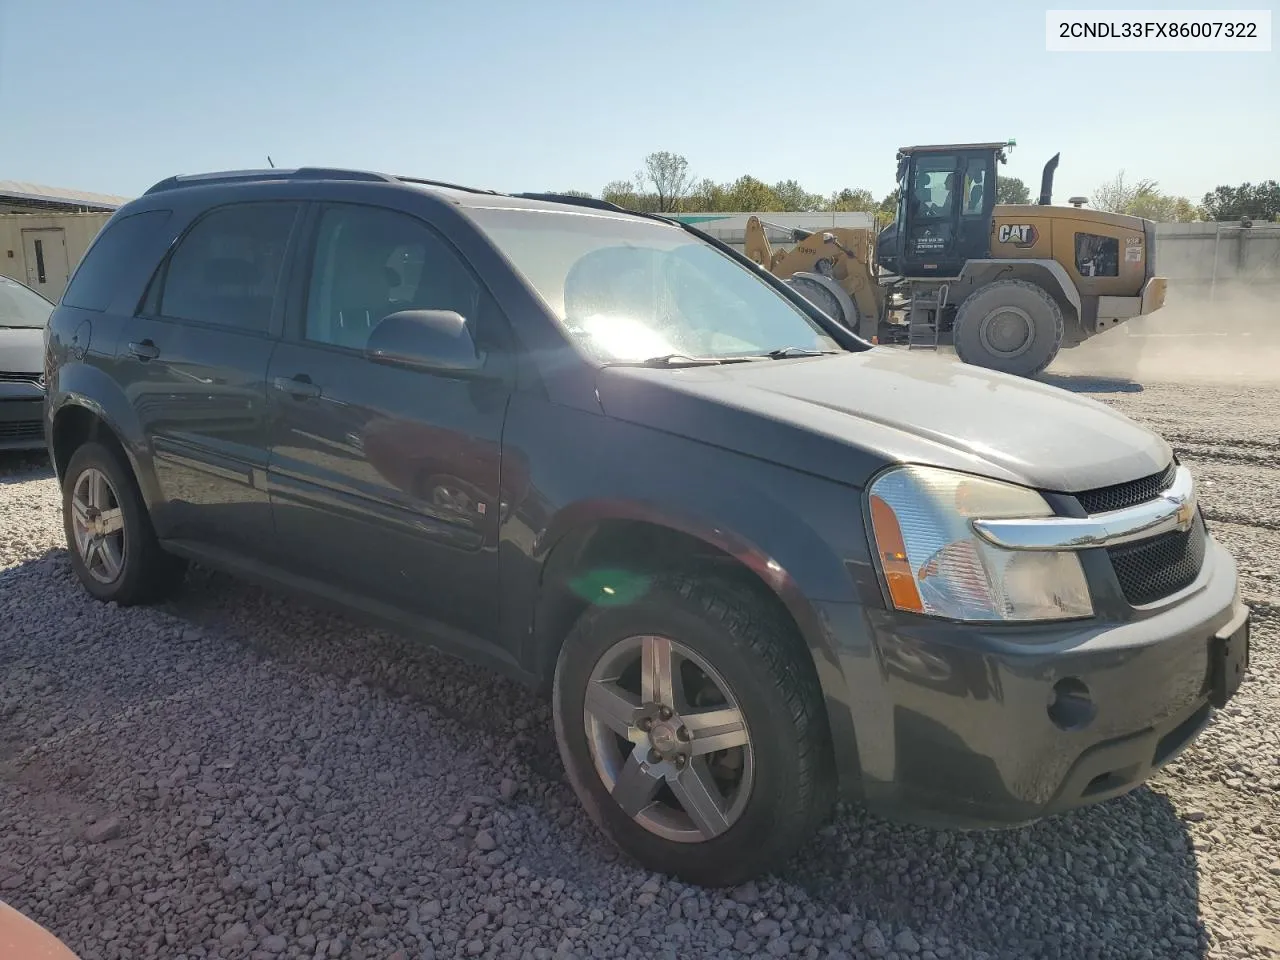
column 683, row 360
column 783, row 353
column 667, row 360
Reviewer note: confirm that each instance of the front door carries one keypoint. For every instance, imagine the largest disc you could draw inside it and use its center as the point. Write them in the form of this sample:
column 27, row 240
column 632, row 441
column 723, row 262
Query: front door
column 194, row 364
column 48, row 267
column 947, row 202
column 385, row 481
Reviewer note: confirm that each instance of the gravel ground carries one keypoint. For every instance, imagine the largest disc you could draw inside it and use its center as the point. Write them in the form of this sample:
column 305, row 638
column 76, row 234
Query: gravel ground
column 237, row 775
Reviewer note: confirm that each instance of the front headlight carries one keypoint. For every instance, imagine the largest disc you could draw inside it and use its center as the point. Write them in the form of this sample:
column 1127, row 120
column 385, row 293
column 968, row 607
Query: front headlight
column 934, row 563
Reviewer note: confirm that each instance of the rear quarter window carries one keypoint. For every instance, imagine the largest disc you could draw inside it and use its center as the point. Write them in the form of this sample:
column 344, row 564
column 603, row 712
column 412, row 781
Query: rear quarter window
column 108, row 262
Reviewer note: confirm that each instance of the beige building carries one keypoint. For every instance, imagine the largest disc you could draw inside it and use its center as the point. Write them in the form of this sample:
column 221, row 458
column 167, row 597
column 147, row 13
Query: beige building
column 44, row 231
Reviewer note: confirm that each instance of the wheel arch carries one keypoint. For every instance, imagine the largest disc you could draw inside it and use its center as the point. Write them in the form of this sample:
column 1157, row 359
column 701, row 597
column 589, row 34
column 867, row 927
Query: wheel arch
column 81, row 415
column 1049, row 275
column 634, row 543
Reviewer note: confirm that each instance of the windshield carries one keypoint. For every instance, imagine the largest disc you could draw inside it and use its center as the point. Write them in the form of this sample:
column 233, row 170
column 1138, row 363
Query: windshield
column 20, row 307
column 629, row 290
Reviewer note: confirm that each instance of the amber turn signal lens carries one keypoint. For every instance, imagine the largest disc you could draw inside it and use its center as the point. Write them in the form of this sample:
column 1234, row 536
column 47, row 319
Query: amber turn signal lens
column 893, row 557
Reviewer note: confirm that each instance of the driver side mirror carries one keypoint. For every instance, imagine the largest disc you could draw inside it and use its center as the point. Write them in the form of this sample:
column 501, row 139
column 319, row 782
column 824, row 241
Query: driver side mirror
column 433, row 341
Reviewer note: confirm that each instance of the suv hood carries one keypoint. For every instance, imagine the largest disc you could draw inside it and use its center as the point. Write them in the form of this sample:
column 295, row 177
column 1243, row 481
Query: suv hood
column 846, row 416
column 21, row 349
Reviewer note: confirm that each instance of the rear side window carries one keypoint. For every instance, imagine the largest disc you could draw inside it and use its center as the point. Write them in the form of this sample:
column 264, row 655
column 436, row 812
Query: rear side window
column 226, row 270
column 95, row 281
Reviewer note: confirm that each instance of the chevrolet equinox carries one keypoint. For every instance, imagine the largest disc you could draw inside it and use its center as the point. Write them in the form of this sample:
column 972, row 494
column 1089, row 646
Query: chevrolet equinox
column 756, row 563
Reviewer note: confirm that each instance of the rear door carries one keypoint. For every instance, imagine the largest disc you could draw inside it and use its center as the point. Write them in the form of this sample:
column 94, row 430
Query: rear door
column 385, row 481
column 194, row 364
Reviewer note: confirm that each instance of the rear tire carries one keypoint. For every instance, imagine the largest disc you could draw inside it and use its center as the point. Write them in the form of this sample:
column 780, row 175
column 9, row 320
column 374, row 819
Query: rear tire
column 113, row 546
column 1013, row 326
column 764, row 758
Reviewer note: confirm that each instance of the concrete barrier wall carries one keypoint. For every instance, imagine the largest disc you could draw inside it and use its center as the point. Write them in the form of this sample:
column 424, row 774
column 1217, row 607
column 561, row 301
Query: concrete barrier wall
column 1202, row 259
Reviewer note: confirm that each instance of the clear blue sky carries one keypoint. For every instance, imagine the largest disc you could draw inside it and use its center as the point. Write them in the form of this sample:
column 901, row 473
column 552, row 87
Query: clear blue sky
column 112, row 96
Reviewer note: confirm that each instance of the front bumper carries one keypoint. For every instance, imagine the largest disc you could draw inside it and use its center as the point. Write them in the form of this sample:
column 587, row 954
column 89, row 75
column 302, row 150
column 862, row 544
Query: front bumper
column 970, row 726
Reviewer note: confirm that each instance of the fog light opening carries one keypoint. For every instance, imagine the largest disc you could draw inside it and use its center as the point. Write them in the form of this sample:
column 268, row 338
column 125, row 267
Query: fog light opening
column 1072, row 708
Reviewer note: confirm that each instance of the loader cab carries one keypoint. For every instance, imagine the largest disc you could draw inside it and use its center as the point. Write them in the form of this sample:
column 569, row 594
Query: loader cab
column 946, row 198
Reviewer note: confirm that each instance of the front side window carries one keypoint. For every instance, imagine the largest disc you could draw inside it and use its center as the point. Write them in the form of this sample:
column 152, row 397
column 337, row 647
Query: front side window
column 1097, row 256
column 226, row 270
column 21, row 307
column 370, row 263
column 630, row 290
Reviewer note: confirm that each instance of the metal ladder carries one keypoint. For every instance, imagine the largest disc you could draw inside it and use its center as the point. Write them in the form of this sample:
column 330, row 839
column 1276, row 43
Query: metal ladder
column 922, row 318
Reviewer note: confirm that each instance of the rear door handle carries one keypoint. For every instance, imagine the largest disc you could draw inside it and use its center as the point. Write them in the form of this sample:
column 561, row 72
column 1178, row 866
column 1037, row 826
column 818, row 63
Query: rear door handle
column 145, row 350
column 299, row 386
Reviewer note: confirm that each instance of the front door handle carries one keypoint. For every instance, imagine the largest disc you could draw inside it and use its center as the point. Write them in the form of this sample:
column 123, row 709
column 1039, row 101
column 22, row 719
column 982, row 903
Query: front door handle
column 144, row 350
column 299, row 386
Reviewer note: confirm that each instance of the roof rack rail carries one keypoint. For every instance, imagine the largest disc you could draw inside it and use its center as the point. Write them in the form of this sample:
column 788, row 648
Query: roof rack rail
column 300, row 173
column 446, row 185
column 575, row 200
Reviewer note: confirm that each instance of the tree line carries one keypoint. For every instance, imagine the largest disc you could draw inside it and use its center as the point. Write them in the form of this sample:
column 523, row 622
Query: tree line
column 665, row 184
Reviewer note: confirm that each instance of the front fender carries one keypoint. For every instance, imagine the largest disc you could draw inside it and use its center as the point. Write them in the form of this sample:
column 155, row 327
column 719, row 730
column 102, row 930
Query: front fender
column 800, row 534
column 1055, row 275
column 732, row 502
column 588, row 515
column 829, row 644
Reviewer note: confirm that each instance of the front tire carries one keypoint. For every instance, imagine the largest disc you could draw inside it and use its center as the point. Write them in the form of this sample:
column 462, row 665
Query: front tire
column 691, row 725
column 1010, row 325
column 113, row 547
column 824, row 299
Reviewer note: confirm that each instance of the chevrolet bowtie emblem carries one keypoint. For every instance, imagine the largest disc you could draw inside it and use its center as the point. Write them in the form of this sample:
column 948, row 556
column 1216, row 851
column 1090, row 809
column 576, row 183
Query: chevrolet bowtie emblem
column 1186, row 513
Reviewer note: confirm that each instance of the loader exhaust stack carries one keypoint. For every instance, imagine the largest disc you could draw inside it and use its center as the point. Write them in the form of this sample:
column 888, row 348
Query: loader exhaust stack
column 1046, row 181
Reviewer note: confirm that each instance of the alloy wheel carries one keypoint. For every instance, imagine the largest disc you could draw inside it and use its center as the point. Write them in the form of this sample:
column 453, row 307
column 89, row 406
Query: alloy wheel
column 668, row 739
column 98, row 526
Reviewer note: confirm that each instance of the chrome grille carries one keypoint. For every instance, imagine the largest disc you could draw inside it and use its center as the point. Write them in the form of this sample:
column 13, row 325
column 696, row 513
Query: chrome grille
column 1129, row 494
column 1157, row 567
column 1150, row 570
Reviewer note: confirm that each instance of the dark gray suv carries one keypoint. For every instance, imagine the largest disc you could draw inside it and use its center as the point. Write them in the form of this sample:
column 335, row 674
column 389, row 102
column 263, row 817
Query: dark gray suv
column 755, row 562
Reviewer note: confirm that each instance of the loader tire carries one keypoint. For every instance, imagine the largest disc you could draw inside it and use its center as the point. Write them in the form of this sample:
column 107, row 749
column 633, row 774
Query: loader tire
column 822, row 298
column 1012, row 326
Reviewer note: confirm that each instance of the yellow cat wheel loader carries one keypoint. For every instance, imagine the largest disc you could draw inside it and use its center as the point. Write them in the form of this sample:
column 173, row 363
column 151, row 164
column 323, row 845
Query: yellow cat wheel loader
column 1007, row 285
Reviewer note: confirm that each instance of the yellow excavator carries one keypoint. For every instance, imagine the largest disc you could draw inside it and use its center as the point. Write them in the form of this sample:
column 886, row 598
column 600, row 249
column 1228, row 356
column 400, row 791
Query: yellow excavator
column 1007, row 285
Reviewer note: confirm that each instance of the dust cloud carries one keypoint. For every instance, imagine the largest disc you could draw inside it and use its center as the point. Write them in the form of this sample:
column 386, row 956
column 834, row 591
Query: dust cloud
column 1233, row 337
